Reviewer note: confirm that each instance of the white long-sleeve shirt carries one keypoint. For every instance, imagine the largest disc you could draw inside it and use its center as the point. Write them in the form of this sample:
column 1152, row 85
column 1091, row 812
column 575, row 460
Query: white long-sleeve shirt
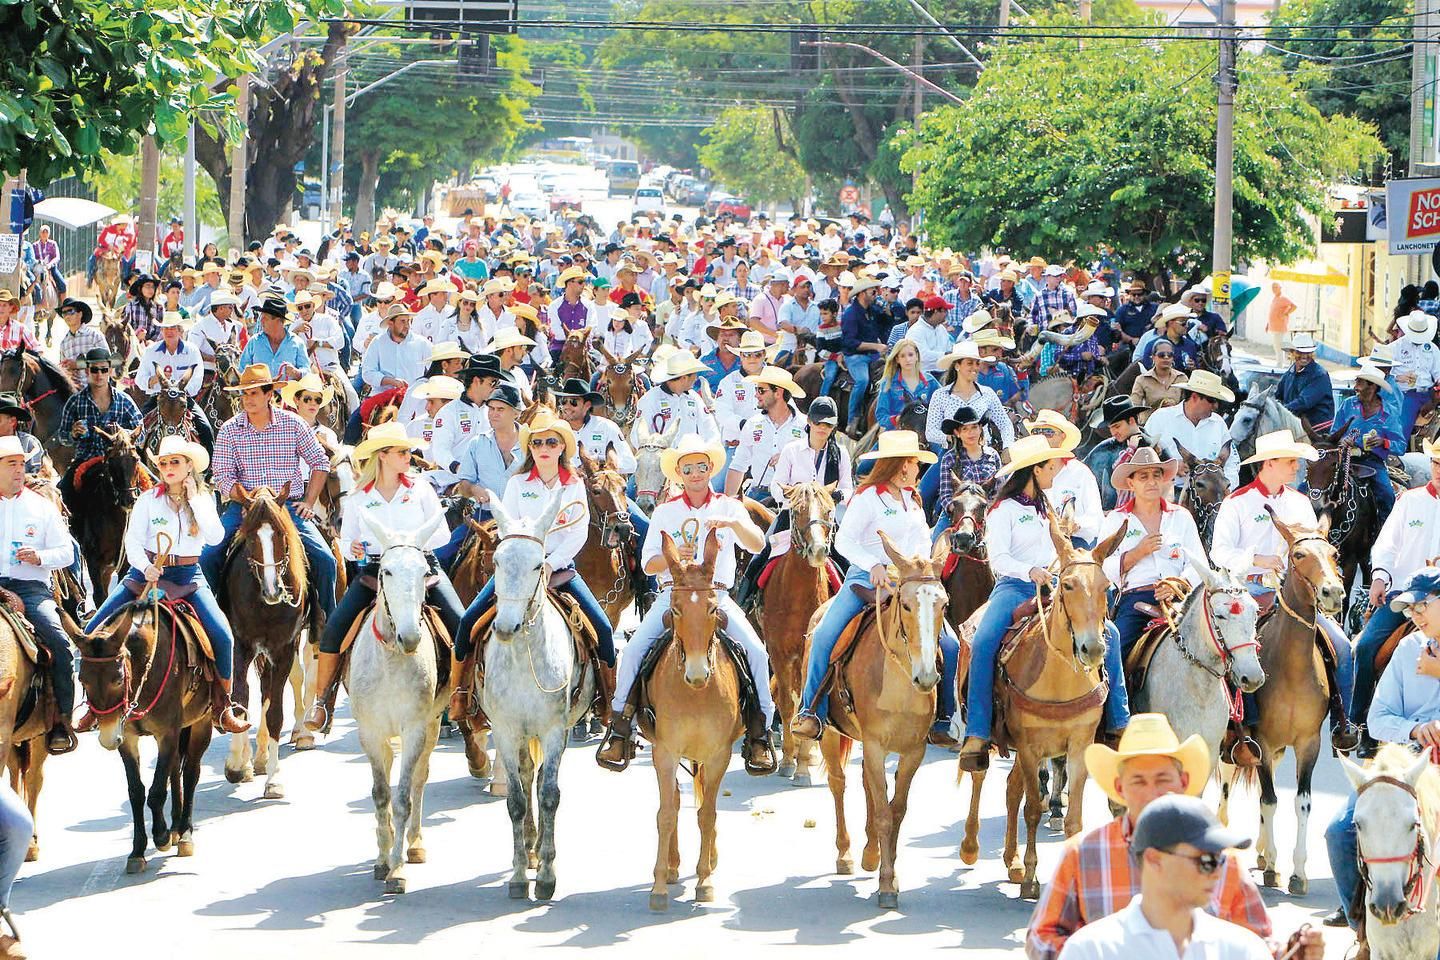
column 429, row 322
column 326, row 337
column 1410, row 538
column 1421, row 359
column 599, row 435
column 1076, row 483
column 1403, row 698
column 207, row 333
column 671, row 517
column 984, row 401
column 29, row 520
column 405, row 360
column 1169, row 425
column 1243, row 527
column 933, row 341
column 410, row 508
column 1017, row 538
column 1179, row 540
column 154, row 514
column 457, row 423
column 472, row 339
column 174, row 366
column 868, row 513
column 799, row 464
column 526, row 495
column 658, row 409
column 734, row 404
column 621, row 343
column 762, row 438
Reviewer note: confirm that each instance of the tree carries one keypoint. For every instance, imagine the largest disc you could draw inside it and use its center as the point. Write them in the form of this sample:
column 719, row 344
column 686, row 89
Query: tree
column 749, row 149
column 118, row 186
column 1059, row 151
column 78, row 77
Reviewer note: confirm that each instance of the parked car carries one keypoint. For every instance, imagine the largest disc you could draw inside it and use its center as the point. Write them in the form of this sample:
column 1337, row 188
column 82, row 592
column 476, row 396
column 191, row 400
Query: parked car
column 564, row 200
column 531, row 204
column 734, row 207
column 623, row 177
column 647, row 199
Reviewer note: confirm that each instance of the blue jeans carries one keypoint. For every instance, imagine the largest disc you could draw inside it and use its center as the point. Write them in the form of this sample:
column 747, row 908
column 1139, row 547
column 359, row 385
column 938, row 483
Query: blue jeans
column 1384, row 486
column 1383, row 622
column 717, row 482
column 827, row 377
column 576, row 588
column 317, row 552
column 942, row 523
column 16, row 829
column 1009, row 593
column 1410, row 409
column 44, row 616
column 859, row 366
column 1343, row 848
column 930, row 480
column 446, row 555
column 1130, row 622
column 207, row 611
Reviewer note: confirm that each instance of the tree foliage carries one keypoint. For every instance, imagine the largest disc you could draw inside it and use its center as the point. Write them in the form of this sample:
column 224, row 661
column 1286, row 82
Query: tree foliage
column 117, row 184
column 79, row 77
column 1118, row 148
column 750, row 149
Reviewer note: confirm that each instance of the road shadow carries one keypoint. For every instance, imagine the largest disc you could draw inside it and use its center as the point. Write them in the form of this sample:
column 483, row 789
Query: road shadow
column 300, row 903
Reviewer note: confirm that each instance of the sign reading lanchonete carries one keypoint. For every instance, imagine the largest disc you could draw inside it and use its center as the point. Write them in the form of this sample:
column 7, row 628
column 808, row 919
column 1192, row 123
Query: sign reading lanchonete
column 1412, row 211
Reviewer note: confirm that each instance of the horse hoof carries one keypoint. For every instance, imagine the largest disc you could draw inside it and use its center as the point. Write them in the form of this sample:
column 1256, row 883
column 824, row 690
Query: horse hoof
column 580, row 732
column 1299, row 886
column 261, row 767
column 381, row 871
column 870, row 862
column 533, row 862
column 845, row 867
column 164, row 841
column 786, row 770
column 659, row 902
column 303, row 743
column 889, row 900
column 519, row 890
column 544, row 889
column 248, row 773
column 704, row 893
column 672, row 876
column 800, row 780
column 969, row 853
column 33, row 853
column 274, row 791
column 415, row 855
column 498, row 788
column 1030, row 890
column 1017, row 874
column 1270, row 879
column 235, row 776
column 1260, row 862
column 185, row 848
column 395, row 885
column 1056, row 823
column 135, row 865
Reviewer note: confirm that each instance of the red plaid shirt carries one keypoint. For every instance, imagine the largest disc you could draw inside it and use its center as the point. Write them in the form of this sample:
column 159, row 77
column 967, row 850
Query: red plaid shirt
column 1098, row 877
column 270, row 458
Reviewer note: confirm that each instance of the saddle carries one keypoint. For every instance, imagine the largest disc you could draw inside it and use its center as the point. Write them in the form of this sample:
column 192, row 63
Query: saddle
column 12, row 610
column 1327, row 659
column 643, row 709
column 443, row 642
column 1138, row 657
column 198, row 651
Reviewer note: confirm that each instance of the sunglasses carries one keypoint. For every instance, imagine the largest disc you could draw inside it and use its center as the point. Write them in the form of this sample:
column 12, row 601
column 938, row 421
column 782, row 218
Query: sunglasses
column 98, row 369
column 308, row 398
column 1167, row 354
column 1206, row 863
column 689, row 469
column 546, row 442
column 172, row 462
column 1045, row 432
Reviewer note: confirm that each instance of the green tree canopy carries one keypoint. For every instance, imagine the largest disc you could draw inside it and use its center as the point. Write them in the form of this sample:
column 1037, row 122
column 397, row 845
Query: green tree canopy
column 749, row 149
column 1059, row 151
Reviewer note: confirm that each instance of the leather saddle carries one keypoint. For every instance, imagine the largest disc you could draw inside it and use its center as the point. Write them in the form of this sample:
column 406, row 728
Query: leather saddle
column 644, row 710
column 12, row 608
column 432, row 619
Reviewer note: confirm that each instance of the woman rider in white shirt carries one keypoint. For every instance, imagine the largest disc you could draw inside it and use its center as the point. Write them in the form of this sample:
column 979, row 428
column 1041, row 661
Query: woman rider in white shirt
column 622, row 336
column 886, row 501
column 548, row 446
column 1017, row 536
column 463, row 327
column 182, row 509
column 390, row 493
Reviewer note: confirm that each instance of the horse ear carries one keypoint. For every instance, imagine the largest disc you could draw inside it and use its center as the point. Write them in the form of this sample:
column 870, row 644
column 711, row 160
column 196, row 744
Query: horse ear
column 547, row 517
column 1356, row 774
column 376, row 530
column 787, row 489
column 1107, row 547
column 1225, row 452
column 604, row 352
column 285, row 492
column 428, row 528
column 1185, row 455
column 669, row 552
column 1323, row 527
column 896, row 557
column 244, row 496
column 634, row 355
column 1209, row 576
column 1063, row 546
column 1417, row 770
column 1282, row 526
column 712, row 551
column 503, row 520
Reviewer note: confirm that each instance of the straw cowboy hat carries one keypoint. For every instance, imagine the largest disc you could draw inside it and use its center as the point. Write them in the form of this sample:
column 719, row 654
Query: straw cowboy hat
column 385, row 435
column 255, row 375
column 447, row 350
column 171, row 318
column 525, row 310
column 573, row 273
column 989, row 338
column 1054, row 421
column 1172, row 311
column 547, row 422
column 1418, row 327
column 177, row 446
column 966, row 350
column 1208, row 384
column 498, row 286
column 1305, row 343
column 1281, row 445
column 1371, row 374
column 1142, row 458
column 863, row 284
column 679, row 364
column 724, row 323
column 900, row 445
column 508, row 337
column 440, row 387
column 1028, row 451
column 1149, row 735
column 310, row 383
column 438, row 285
column 976, row 322
column 691, row 445
column 777, row 377
column 1431, row 449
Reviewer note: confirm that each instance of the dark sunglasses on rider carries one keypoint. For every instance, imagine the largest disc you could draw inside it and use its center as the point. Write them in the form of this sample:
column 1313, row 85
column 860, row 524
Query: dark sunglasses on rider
column 546, row 442
column 94, row 369
column 1167, row 353
column 571, row 401
column 1206, row 863
column 695, row 468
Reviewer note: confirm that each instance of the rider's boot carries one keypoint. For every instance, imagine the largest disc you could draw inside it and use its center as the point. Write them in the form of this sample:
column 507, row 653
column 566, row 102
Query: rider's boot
column 757, row 751
column 223, row 710
column 460, row 700
column 617, row 749
column 325, row 677
column 975, row 755
column 807, row 726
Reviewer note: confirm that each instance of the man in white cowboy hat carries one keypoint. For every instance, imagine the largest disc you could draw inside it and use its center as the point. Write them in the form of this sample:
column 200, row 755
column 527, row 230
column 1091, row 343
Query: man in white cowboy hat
column 171, row 359
column 1305, row 388
column 435, row 296
column 1172, row 323
column 672, row 400
column 434, row 393
column 1074, row 484
column 1195, row 424
column 319, row 331
column 492, row 314
column 766, row 433
column 734, row 397
column 1416, row 365
column 1097, row 875
column 446, row 358
column 510, row 347
column 688, row 520
column 215, row 328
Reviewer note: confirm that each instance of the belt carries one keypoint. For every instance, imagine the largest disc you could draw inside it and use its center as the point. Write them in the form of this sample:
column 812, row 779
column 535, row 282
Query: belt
column 175, row 561
column 1147, row 588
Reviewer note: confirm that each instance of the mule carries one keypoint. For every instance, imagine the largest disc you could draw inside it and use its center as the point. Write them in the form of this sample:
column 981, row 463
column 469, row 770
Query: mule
column 650, row 482
column 1207, row 486
column 621, row 383
column 107, row 279
column 575, row 355
column 124, row 346
column 171, row 417
column 604, row 562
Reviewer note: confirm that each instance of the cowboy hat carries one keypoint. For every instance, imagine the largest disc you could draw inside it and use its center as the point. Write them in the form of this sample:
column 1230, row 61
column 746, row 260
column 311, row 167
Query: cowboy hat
column 508, row 337
column 1149, row 735
column 976, row 322
column 1098, row 288
column 255, row 375
column 296, row 273
column 691, row 445
column 171, row 318
column 1143, row 458
column 438, row 285
column 12, row 405
column 863, row 284
column 1119, row 409
column 576, row 387
column 989, row 338
column 385, row 435
column 440, row 387
column 385, row 290
column 139, row 282
column 1305, row 343
column 81, row 307
column 712, row 330
column 1431, row 449
column 273, row 306
column 679, row 364
column 964, row 417
column 1281, row 445
column 525, row 310
column 310, row 383
column 547, row 422
column 573, row 273
column 1054, row 421
column 965, row 350
column 223, row 298
column 1171, row 311
column 1371, row 374
column 497, row 287
column 446, row 350
column 1028, row 451
column 1418, row 327
column 1208, row 384
column 777, row 377
column 1137, row 286
column 902, row 445
column 1380, row 356
column 177, row 446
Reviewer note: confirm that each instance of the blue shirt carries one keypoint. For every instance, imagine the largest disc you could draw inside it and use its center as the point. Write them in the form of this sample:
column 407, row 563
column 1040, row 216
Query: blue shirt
column 896, row 396
column 718, row 371
column 1308, row 394
column 259, row 350
column 1135, row 319
column 857, row 326
column 1382, row 422
column 482, row 464
column 1001, row 378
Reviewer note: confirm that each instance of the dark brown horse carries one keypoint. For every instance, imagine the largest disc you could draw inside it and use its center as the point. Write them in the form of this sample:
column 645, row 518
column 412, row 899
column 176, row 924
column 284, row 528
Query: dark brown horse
column 575, row 356
column 1207, row 486
column 140, row 681
column 43, row 389
column 170, row 417
column 27, row 712
column 120, row 338
column 218, row 403
column 621, row 384
column 604, row 561
column 266, row 592
column 1341, row 491
column 103, row 493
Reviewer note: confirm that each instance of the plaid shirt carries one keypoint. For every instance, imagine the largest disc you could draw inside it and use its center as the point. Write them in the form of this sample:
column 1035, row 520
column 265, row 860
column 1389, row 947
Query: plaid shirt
column 980, row 470
column 144, row 319
column 270, row 458
column 1049, row 302
column 342, row 301
column 959, row 311
column 75, row 345
column 1098, row 877
column 121, row 413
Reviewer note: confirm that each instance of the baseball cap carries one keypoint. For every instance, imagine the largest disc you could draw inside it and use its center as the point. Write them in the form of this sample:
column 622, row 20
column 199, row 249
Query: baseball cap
column 1176, row 818
column 822, row 410
column 1424, row 584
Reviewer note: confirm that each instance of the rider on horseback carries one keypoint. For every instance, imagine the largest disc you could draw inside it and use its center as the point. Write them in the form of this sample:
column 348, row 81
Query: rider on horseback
column 173, row 365
column 99, row 407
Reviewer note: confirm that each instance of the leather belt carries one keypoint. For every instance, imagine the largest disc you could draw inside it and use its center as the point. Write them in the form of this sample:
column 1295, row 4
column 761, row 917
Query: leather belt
column 175, row 561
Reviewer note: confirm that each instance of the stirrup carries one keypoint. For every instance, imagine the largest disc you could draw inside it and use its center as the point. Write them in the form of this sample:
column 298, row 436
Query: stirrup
column 324, row 714
column 627, row 747
column 64, row 743
column 756, row 768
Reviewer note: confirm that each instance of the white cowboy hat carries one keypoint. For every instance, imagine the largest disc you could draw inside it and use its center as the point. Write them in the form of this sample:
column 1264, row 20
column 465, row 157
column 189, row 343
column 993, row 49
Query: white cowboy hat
column 390, row 434
column 976, row 321
column 1380, row 356
column 1208, row 384
column 497, row 286
column 1149, row 735
column 1098, row 288
column 1418, row 327
column 989, row 338
column 171, row 318
column 862, row 284
column 447, row 350
column 776, row 377
column 900, row 444
column 1054, row 421
column 1371, row 374
column 691, row 445
column 310, row 383
column 679, row 364
column 440, row 387
column 1028, row 451
column 1430, row 448
column 11, row 447
column 508, row 337
column 965, row 350
column 177, row 446
column 223, row 298
column 1281, row 445
column 1304, row 343
column 1086, row 311
column 547, row 422
column 1172, row 311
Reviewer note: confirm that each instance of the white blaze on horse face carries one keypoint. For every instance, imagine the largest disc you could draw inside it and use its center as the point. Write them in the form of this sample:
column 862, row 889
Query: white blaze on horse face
column 266, row 534
column 930, row 607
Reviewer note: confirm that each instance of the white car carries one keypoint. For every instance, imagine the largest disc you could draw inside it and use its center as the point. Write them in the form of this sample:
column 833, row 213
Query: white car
column 533, row 205
column 648, row 199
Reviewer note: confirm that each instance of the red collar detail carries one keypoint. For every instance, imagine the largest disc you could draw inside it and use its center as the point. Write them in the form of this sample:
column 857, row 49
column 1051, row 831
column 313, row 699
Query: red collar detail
column 1433, row 491
column 710, row 495
column 405, row 481
column 564, row 475
column 1257, row 485
column 1165, row 506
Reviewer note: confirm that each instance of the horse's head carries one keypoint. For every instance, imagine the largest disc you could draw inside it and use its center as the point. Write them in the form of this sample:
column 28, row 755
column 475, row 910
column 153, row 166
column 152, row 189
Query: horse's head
column 1079, row 597
column 1231, row 613
column 967, row 518
column 272, row 545
column 694, row 614
column 1394, row 830
column 172, row 402
column 1247, row 417
column 520, row 571
column 122, row 464
column 812, row 519
column 1315, row 561
column 649, row 478
column 920, row 598
column 609, row 511
column 16, row 372
column 107, row 677
column 403, row 578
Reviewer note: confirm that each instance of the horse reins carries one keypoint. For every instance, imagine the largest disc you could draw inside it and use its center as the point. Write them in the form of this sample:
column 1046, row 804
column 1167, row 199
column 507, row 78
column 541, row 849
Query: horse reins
column 1417, row 882
column 534, row 606
column 1226, row 653
column 897, row 624
column 1314, row 593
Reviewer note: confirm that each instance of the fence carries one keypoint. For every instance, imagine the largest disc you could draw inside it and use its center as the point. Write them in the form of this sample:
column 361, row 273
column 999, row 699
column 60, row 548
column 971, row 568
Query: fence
column 75, row 245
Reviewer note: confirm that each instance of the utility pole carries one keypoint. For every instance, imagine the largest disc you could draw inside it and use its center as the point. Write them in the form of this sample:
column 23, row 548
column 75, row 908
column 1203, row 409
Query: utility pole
column 1085, row 19
column 1004, row 19
column 149, row 198
column 918, row 61
column 192, row 220
column 337, row 136
column 238, row 165
column 1222, row 259
column 1422, row 120
column 10, row 278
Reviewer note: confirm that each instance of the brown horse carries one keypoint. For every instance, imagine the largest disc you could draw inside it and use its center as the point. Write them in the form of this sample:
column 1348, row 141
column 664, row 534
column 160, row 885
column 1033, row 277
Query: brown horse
column 575, row 356
column 120, row 338
column 100, row 505
column 798, row 585
column 474, row 564
column 604, row 561
column 218, row 403
column 620, row 385
column 1052, row 695
column 1341, row 490
column 140, row 683
column 170, row 417
column 27, row 712
column 265, row 588
column 43, row 389
column 107, row 279
column 891, row 679
column 1207, row 486
column 1295, row 700
column 695, row 693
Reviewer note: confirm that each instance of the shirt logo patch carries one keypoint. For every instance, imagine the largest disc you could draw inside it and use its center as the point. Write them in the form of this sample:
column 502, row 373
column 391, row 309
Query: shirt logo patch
column 1416, row 523
column 1262, row 517
column 31, row 530
column 1025, row 518
column 159, row 522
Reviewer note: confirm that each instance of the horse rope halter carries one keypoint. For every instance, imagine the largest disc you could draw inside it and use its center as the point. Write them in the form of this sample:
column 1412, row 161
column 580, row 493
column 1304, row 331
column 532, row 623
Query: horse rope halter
column 1313, row 620
column 534, row 606
column 383, row 599
column 1417, row 882
column 1204, row 511
column 977, row 526
column 282, row 579
column 1226, row 653
column 1348, row 496
column 897, row 619
column 1044, row 614
column 616, row 523
column 125, row 705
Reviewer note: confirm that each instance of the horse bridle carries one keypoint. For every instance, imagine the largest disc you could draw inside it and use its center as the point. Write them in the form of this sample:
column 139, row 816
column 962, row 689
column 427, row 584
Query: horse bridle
column 897, row 619
column 977, row 526
column 384, row 601
column 1417, row 882
column 1203, row 511
column 125, row 703
column 1350, row 503
column 1314, row 590
column 533, row 604
column 282, row 574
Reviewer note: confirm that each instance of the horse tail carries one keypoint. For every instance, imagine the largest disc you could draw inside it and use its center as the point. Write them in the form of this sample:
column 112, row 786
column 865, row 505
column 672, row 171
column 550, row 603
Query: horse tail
column 536, row 752
column 1247, row 777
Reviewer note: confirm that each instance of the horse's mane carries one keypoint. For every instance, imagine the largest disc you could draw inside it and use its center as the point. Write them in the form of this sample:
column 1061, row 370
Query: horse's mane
column 1393, row 759
column 265, row 507
column 800, row 491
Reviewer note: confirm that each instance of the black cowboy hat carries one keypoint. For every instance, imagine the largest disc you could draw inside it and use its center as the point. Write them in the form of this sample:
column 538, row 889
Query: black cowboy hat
column 11, row 404
column 98, row 355
column 80, row 306
column 963, row 417
column 481, row 365
column 139, row 282
column 1119, row 409
column 576, row 387
column 508, row 394
column 275, row 307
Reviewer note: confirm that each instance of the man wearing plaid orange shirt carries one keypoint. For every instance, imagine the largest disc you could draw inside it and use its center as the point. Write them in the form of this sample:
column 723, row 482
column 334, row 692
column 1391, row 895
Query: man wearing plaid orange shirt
column 1097, row 875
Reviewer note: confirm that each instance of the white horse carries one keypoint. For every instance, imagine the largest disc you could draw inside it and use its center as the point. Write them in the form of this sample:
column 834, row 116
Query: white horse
column 535, row 690
column 649, row 479
column 395, row 692
column 1397, row 827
